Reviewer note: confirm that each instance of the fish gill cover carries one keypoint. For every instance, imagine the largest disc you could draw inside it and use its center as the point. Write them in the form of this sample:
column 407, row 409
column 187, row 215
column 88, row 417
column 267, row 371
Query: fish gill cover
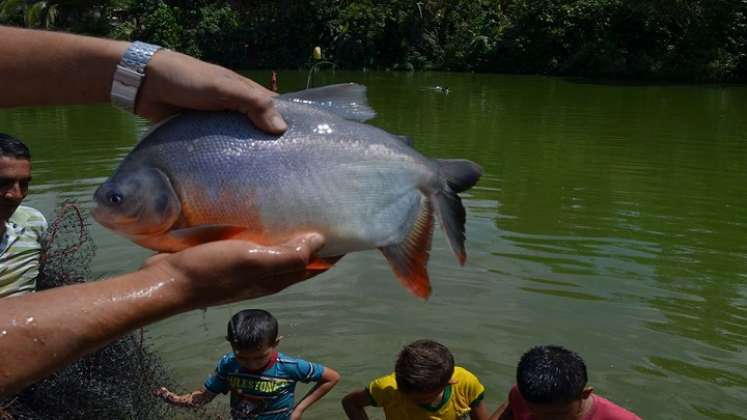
column 115, row 382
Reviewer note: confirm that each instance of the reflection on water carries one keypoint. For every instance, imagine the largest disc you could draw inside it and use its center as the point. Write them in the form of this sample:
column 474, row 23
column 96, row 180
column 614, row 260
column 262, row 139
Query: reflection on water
column 611, row 219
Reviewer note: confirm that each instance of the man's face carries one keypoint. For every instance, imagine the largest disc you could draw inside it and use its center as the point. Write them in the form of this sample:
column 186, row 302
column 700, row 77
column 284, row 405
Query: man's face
column 254, row 359
column 557, row 411
column 15, row 175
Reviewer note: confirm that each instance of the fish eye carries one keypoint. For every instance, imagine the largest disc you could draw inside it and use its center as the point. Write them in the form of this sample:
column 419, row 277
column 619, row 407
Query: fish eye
column 114, row 198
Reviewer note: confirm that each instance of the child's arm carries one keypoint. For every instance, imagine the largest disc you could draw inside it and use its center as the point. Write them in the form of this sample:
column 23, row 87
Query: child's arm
column 329, row 379
column 503, row 412
column 355, row 404
column 195, row 399
column 479, row 412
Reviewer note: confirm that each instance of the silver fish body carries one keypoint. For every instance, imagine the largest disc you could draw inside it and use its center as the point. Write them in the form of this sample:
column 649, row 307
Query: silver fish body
column 203, row 176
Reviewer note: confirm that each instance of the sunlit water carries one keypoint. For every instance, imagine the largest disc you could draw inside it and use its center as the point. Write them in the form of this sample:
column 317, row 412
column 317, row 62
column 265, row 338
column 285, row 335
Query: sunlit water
column 611, row 219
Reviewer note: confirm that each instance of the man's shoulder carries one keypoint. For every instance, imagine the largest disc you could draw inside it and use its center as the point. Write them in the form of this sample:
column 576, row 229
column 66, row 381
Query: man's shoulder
column 607, row 410
column 29, row 217
column 287, row 358
column 383, row 390
column 228, row 361
column 386, row 382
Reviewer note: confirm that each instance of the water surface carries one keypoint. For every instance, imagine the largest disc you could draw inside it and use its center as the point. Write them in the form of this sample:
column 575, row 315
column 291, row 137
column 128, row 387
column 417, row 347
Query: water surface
column 611, row 219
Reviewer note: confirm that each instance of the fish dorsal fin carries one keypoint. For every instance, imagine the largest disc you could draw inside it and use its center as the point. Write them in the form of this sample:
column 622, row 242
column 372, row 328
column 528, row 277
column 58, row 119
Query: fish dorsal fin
column 156, row 126
column 347, row 100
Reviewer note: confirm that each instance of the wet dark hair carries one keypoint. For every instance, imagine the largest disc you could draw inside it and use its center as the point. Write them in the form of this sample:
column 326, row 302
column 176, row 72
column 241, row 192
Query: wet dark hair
column 551, row 374
column 12, row 147
column 251, row 329
column 424, row 366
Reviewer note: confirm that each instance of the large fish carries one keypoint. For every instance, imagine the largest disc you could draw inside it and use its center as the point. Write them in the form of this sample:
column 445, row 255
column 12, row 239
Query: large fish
column 205, row 176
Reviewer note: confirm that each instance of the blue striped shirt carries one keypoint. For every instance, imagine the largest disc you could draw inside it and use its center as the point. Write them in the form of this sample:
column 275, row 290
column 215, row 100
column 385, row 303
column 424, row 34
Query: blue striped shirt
column 265, row 395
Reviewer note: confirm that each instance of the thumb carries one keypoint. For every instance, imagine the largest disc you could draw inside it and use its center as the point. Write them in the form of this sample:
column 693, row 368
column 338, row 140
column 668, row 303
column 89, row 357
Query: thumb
column 152, row 260
column 300, row 250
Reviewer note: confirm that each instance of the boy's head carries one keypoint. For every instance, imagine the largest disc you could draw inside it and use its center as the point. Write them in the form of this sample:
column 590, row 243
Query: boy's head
column 423, row 370
column 253, row 334
column 552, row 380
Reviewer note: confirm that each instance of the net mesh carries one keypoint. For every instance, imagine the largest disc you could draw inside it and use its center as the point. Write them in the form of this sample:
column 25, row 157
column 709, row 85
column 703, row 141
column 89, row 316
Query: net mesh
column 115, row 382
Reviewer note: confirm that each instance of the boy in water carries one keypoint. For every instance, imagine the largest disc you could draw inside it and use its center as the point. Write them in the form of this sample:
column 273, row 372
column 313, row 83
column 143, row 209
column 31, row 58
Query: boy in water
column 261, row 380
column 425, row 385
column 551, row 385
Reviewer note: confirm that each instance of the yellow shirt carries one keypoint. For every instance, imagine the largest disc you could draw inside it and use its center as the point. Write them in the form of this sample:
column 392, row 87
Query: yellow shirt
column 458, row 399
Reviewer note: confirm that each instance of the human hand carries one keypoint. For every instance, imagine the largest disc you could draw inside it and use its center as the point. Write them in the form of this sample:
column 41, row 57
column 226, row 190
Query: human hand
column 168, row 396
column 296, row 415
column 233, row 270
column 176, row 81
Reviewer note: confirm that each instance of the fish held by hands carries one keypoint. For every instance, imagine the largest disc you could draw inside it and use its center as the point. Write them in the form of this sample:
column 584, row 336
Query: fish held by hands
column 205, row 176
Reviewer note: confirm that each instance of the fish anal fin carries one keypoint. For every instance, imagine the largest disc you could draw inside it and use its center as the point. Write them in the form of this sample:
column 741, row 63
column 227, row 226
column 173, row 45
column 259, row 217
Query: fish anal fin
column 409, row 258
column 322, row 264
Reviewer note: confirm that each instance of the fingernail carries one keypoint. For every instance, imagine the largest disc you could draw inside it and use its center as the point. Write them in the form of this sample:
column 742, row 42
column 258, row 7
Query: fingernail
column 278, row 123
column 314, row 240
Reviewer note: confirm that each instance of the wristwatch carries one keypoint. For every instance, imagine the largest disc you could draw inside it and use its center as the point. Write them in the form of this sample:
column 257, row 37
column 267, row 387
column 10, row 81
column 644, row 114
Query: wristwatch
column 130, row 73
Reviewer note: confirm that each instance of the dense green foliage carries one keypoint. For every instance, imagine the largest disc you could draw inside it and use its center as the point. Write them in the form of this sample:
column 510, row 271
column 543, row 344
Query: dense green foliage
column 703, row 40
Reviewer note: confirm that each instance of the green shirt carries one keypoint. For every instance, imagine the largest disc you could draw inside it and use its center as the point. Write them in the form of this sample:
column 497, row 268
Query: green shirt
column 20, row 249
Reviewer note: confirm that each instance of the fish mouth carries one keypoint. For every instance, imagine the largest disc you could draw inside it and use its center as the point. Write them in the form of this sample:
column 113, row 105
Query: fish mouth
column 124, row 224
column 101, row 216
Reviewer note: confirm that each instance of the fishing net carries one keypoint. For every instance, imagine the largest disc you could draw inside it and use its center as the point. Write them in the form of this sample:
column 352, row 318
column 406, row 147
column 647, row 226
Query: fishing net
column 115, row 382
column 68, row 250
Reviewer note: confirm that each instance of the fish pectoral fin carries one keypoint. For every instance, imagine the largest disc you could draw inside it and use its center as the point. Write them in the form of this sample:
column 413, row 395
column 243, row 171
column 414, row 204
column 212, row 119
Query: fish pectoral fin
column 322, row 264
column 409, row 258
column 197, row 235
column 348, row 100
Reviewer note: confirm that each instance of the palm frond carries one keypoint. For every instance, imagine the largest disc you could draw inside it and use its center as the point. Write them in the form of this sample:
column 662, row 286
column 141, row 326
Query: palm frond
column 35, row 13
column 51, row 18
column 10, row 7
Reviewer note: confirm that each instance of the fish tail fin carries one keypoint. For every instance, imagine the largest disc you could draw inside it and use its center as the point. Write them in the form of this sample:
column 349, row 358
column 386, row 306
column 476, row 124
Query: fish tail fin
column 409, row 258
column 460, row 175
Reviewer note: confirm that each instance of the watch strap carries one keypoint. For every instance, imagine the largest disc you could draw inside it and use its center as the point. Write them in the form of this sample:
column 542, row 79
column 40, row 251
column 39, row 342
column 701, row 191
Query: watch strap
column 130, row 73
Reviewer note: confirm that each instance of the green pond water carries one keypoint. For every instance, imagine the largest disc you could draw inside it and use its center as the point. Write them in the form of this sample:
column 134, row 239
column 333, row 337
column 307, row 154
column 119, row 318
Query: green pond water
column 611, row 219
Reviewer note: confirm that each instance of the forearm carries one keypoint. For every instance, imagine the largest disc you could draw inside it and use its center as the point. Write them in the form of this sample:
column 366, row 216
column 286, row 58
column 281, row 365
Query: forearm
column 45, row 68
column 314, row 395
column 503, row 412
column 195, row 399
column 479, row 412
column 354, row 412
column 61, row 325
